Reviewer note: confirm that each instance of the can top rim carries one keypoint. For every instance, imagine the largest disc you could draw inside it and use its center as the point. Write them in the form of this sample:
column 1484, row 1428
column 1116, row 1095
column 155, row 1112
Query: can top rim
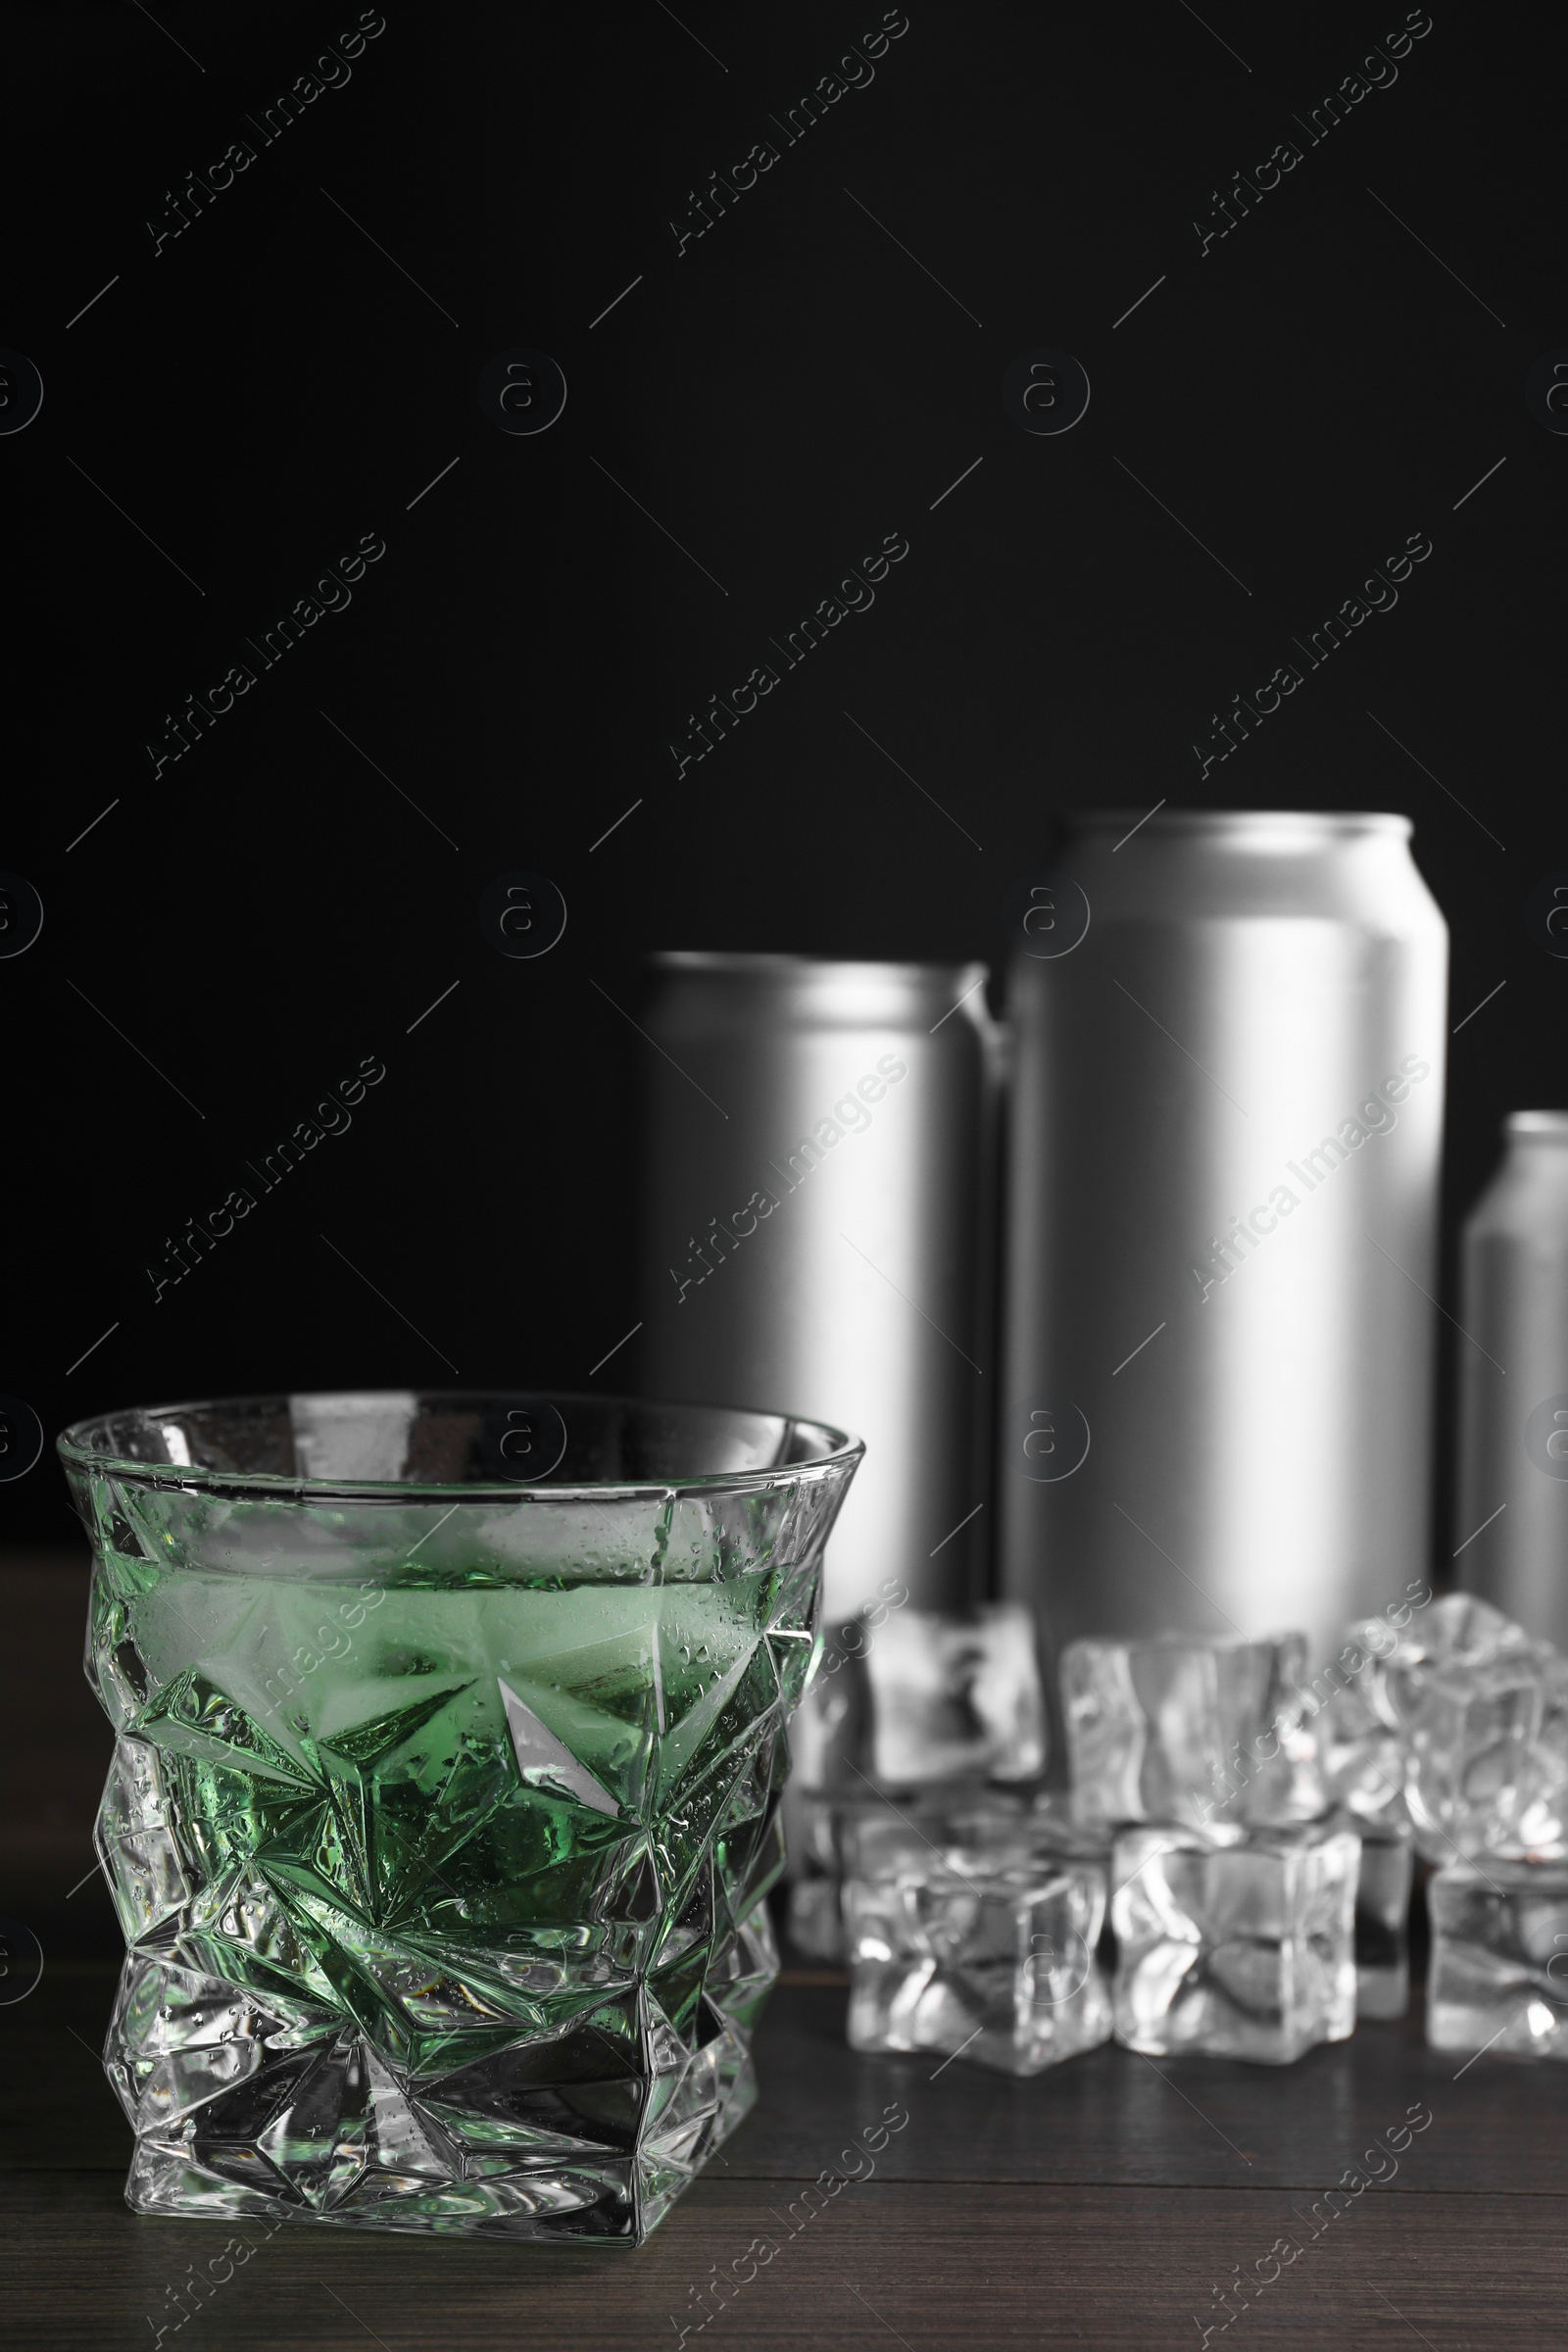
column 1324, row 821
column 1546, row 1126
column 745, row 965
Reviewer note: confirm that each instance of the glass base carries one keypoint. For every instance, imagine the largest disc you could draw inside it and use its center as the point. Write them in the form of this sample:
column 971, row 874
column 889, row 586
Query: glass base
column 244, row 2109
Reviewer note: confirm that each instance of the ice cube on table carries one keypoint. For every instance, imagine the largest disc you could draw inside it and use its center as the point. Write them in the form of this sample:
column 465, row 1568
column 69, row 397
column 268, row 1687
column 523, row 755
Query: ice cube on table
column 1235, row 1948
column 1498, row 1980
column 1481, row 1710
column 872, row 1834
column 919, row 1699
column 1361, row 1747
column 1458, row 1723
column 1383, row 1921
column 880, row 1840
column 965, row 1829
column 988, row 1950
column 1457, row 1631
column 955, row 1695
column 1176, row 1730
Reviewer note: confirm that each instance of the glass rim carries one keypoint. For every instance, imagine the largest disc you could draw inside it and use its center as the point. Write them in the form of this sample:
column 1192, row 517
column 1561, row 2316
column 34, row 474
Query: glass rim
column 834, row 1449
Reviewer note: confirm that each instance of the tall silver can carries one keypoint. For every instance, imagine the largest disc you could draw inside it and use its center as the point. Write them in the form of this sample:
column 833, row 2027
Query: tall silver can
column 1511, row 1509
column 1222, row 1187
column 816, row 1187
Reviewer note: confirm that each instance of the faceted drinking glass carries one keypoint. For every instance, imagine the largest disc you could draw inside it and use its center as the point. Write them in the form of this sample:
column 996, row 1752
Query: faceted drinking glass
column 444, row 1800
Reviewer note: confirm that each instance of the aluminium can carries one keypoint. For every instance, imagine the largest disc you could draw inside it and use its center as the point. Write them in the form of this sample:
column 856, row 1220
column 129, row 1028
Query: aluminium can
column 1510, row 1524
column 1228, row 1034
column 817, row 1222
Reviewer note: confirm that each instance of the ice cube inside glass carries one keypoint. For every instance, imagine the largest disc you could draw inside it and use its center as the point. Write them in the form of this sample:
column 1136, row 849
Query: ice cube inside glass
column 450, row 1731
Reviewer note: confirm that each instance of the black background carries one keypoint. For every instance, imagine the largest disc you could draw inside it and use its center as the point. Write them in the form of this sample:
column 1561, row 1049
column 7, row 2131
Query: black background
column 780, row 395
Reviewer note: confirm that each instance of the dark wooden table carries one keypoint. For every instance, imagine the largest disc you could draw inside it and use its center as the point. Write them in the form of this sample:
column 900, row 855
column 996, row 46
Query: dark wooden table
column 1100, row 2204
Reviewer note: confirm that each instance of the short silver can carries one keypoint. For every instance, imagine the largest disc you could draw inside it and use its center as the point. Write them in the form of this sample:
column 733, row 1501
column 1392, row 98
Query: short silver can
column 817, row 1182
